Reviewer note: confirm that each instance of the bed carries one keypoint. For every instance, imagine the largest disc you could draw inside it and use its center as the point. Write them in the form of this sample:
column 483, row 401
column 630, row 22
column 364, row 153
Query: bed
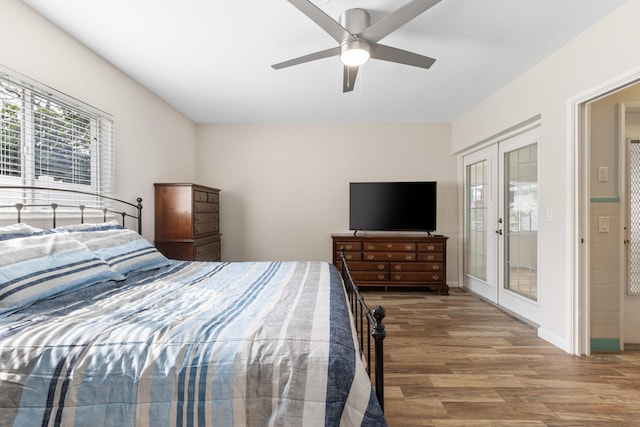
column 99, row 328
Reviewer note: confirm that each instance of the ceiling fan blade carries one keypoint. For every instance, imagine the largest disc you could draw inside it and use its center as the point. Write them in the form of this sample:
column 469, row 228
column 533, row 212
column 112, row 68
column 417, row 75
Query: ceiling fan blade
column 349, row 78
column 308, row 58
column 332, row 27
column 396, row 19
column 392, row 54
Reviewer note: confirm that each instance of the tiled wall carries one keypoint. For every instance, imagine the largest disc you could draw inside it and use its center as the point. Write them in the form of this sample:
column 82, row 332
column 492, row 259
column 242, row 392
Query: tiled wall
column 605, row 275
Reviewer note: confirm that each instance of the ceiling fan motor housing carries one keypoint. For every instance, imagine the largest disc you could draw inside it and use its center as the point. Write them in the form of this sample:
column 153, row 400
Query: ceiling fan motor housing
column 355, row 20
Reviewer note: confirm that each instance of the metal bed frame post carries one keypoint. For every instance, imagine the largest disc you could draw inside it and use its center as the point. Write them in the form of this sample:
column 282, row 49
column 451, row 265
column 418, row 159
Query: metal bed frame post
column 375, row 328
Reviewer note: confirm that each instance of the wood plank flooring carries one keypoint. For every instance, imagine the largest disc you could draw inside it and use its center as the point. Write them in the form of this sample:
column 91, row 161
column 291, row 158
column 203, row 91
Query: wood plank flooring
column 458, row 361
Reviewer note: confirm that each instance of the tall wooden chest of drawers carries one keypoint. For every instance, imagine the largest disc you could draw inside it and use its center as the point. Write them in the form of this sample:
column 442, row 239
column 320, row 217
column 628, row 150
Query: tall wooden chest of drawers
column 187, row 221
column 395, row 260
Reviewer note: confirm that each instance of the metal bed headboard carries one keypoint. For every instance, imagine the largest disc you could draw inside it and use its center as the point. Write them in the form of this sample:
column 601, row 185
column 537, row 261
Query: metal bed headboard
column 127, row 207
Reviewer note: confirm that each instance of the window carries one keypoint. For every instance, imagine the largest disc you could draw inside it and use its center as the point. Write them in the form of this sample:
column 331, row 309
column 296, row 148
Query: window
column 51, row 140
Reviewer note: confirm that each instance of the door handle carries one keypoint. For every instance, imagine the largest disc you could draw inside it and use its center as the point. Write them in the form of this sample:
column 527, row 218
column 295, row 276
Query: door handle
column 499, row 232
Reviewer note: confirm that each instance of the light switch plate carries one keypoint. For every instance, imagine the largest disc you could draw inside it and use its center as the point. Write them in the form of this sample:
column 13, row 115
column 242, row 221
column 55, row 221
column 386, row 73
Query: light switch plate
column 603, row 173
column 603, row 224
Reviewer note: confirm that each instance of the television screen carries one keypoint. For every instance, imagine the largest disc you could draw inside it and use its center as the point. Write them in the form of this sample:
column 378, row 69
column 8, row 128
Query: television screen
column 392, row 206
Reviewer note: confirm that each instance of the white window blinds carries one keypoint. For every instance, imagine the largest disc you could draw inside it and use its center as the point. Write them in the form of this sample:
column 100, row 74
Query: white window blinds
column 51, row 140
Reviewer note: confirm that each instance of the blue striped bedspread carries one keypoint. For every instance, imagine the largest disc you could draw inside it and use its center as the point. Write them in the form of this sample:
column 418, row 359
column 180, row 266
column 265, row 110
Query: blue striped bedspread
column 191, row 344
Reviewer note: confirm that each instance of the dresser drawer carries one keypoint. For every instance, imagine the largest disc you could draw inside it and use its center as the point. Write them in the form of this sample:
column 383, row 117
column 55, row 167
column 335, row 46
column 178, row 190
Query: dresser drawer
column 213, row 198
column 348, row 246
column 389, row 246
column 431, row 256
column 368, row 266
column 389, row 256
column 430, row 247
column 350, row 256
column 416, row 266
column 369, row 276
column 416, row 277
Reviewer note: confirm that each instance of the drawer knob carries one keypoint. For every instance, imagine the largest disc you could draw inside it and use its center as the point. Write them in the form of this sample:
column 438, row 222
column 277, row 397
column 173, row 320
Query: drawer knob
column 435, row 267
column 408, row 257
column 435, row 276
column 370, row 246
column 348, row 256
column 398, row 276
column 380, row 266
column 369, row 257
column 348, row 247
column 408, row 247
column 389, row 245
column 430, row 258
column 389, row 255
column 398, row 267
column 380, row 276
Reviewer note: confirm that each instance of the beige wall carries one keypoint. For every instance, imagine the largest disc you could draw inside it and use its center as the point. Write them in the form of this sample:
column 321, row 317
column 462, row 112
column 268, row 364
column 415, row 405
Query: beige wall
column 285, row 187
column 599, row 55
column 154, row 142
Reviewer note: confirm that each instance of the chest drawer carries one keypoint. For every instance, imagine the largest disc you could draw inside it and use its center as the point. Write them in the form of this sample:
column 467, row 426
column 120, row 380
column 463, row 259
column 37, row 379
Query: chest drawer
column 205, row 207
column 207, row 251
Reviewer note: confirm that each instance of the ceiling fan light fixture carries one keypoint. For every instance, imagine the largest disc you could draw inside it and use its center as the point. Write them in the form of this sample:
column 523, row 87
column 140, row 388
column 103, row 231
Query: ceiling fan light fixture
column 354, row 53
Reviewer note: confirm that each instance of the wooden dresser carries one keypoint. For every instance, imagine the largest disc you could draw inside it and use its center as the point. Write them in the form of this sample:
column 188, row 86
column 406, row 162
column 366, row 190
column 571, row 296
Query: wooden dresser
column 395, row 260
column 187, row 222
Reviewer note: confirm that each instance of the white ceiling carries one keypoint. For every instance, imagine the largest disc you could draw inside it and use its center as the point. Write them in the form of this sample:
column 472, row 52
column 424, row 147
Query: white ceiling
column 211, row 59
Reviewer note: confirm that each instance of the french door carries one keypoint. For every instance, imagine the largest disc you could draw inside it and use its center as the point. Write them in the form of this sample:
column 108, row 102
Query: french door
column 501, row 224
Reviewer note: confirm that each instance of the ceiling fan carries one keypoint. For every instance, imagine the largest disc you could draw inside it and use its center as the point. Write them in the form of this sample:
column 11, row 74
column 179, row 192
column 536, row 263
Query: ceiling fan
column 359, row 40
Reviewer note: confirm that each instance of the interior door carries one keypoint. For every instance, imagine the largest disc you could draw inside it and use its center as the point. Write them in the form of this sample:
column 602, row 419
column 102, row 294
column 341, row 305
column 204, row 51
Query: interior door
column 501, row 224
column 480, row 243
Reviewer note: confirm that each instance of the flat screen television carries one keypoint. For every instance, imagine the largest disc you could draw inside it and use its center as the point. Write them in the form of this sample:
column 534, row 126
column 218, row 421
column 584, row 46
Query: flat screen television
column 392, row 206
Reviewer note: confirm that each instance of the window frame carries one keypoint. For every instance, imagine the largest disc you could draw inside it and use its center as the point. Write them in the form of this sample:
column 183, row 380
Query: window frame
column 100, row 146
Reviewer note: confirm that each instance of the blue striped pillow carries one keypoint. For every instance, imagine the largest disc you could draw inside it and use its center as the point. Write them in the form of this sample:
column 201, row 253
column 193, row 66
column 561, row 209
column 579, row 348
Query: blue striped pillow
column 39, row 267
column 123, row 249
column 20, row 229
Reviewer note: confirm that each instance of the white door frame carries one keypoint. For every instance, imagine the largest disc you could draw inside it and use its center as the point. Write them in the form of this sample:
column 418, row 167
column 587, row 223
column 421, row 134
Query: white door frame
column 578, row 324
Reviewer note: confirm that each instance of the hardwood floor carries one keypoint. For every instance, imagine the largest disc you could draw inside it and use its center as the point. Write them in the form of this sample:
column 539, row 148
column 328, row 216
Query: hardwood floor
column 457, row 361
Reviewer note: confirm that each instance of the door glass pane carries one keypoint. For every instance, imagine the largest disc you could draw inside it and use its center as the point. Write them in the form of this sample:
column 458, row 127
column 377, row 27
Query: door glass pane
column 521, row 225
column 476, row 255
